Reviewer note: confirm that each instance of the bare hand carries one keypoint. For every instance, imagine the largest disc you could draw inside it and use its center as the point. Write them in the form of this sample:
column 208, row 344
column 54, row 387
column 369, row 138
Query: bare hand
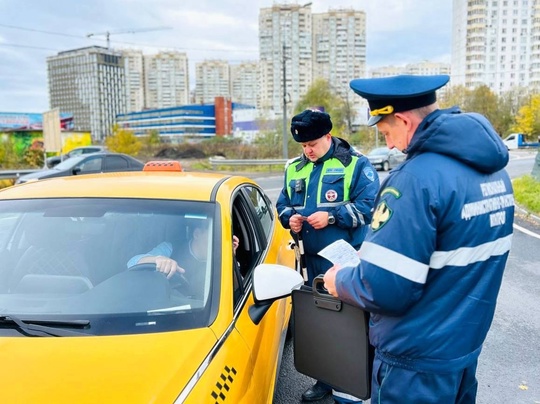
column 295, row 223
column 318, row 220
column 330, row 280
column 168, row 266
column 235, row 243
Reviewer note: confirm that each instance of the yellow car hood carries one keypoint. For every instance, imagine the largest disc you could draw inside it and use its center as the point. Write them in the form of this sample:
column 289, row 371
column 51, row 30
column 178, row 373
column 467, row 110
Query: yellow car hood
column 147, row 368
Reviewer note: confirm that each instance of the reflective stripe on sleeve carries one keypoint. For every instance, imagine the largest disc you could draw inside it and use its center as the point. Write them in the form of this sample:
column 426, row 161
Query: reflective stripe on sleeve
column 468, row 255
column 416, row 271
column 394, row 262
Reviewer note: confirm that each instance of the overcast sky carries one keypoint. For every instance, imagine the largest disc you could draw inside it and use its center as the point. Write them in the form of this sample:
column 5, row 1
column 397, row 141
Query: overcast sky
column 398, row 32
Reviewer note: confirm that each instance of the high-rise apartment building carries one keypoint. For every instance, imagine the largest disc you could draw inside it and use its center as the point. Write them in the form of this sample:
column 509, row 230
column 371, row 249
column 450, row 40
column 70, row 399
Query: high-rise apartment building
column 89, row 83
column 421, row 68
column 213, row 79
column 285, row 54
column 496, row 43
column 134, row 66
column 339, row 49
column 166, row 80
column 245, row 83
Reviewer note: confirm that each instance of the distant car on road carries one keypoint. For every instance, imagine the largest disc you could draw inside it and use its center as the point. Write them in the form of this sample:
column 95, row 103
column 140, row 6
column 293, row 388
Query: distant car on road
column 54, row 160
column 385, row 159
column 87, row 164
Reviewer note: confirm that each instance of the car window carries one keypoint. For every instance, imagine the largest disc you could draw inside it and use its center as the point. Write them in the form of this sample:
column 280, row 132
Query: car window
column 68, row 259
column 115, row 163
column 253, row 223
column 263, row 209
column 91, row 165
column 75, row 152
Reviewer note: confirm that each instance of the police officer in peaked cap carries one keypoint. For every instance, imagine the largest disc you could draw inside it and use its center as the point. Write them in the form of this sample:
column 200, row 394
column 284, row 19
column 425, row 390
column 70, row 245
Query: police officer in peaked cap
column 328, row 194
column 434, row 256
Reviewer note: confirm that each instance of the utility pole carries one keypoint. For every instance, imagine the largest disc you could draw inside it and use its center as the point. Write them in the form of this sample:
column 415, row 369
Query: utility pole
column 290, row 9
column 285, row 135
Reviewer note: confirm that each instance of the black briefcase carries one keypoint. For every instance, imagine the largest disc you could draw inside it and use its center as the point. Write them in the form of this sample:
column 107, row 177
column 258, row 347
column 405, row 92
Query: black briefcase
column 331, row 341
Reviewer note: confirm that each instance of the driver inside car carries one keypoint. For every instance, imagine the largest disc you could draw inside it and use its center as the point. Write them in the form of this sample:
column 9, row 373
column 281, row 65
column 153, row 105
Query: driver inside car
column 187, row 259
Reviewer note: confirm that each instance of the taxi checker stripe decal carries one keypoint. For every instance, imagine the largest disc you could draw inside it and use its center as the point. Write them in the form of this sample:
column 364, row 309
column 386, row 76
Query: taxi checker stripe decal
column 223, row 385
column 415, row 271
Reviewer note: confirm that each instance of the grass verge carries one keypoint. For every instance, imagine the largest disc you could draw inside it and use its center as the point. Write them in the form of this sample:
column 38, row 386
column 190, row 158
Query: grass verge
column 527, row 193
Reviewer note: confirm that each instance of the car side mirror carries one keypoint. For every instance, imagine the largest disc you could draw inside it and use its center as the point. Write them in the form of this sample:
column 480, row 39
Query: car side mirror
column 76, row 170
column 271, row 282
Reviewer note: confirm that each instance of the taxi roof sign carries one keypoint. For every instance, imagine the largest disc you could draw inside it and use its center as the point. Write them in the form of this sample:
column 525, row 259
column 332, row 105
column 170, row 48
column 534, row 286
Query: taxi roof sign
column 169, row 165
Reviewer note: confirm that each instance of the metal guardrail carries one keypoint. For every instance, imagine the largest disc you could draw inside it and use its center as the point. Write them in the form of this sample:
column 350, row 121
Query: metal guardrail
column 14, row 174
column 217, row 162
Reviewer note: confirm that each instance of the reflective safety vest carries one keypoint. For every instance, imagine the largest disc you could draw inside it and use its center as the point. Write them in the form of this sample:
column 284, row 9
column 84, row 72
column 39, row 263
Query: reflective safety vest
column 332, row 188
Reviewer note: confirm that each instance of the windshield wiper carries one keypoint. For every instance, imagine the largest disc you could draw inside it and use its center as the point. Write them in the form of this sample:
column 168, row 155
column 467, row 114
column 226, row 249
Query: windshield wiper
column 44, row 328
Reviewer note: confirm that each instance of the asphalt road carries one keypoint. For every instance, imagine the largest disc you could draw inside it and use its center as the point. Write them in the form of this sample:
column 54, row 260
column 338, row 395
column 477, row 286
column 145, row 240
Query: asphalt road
column 509, row 366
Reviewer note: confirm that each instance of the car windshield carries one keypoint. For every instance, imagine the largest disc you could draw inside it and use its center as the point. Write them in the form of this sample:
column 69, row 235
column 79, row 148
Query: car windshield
column 69, row 163
column 77, row 259
column 381, row 151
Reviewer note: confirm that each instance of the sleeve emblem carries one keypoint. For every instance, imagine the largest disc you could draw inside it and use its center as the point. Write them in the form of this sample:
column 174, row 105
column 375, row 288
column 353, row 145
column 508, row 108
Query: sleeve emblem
column 382, row 215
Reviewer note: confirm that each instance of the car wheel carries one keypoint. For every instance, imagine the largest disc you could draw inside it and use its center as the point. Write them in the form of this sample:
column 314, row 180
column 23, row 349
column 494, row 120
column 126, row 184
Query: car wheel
column 386, row 166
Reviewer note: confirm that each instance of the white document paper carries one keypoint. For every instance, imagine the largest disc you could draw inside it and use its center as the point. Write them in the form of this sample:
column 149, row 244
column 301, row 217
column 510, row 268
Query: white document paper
column 341, row 253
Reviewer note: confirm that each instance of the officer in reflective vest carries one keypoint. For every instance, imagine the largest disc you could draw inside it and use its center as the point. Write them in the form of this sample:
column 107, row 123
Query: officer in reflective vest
column 328, row 194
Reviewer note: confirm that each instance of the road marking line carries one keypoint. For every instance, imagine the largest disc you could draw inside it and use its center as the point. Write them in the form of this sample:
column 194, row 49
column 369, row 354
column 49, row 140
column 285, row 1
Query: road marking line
column 528, row 232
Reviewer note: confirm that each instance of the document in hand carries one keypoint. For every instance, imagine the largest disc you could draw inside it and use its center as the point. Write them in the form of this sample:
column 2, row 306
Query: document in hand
column 341, row 253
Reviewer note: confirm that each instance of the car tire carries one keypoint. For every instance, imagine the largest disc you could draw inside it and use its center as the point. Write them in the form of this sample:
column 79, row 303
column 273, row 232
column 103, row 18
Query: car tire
column 386, row 166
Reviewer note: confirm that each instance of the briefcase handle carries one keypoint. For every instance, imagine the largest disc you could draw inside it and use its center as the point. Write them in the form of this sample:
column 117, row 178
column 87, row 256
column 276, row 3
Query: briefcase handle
column 321, row 297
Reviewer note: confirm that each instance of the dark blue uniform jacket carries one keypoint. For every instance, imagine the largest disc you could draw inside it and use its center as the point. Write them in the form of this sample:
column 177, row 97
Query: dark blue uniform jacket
column 433, row 259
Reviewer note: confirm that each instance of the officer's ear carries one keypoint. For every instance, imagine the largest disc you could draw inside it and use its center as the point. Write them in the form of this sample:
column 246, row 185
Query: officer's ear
column 403, row 119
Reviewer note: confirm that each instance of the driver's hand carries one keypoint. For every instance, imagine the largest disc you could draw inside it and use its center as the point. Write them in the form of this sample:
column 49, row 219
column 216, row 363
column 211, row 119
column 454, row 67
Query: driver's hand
column 168, row 266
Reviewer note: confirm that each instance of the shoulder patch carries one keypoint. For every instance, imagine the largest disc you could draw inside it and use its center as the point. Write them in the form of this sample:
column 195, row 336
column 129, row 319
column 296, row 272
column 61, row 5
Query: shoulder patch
column 368, row 172
column 382, row 215
column 392, row 191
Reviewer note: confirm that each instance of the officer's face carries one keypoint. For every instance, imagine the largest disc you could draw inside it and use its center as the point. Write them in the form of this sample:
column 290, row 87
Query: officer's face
column 317, row 148
column 397, row 130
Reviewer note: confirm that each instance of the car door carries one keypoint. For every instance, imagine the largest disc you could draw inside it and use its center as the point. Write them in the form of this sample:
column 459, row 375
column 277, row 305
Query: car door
column 115, row 163
column 92, row 164
column 254, row 224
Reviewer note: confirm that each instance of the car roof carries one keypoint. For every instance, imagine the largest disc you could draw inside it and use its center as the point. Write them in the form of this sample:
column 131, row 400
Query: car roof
column 129, row 184
column 100, row 153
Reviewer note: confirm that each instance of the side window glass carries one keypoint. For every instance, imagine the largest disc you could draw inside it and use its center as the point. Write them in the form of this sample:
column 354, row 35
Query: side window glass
column 91, row 165
column 116, row 163
column 263, row 209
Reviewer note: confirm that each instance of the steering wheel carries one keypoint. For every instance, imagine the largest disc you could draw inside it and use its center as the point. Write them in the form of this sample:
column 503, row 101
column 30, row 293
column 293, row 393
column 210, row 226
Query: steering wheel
column 177, row 281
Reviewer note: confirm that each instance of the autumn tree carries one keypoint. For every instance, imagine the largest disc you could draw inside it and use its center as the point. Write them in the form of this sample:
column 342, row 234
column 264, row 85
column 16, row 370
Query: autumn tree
column 498, row 110
column 528, row 119
column 123, row 141
column 321, row 95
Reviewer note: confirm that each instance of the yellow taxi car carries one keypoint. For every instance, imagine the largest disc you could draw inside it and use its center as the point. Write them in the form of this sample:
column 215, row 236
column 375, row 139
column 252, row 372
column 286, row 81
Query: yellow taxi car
column 85, row 319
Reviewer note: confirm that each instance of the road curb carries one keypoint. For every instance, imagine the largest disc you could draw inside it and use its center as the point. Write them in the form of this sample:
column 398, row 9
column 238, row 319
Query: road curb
column 527, row 214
